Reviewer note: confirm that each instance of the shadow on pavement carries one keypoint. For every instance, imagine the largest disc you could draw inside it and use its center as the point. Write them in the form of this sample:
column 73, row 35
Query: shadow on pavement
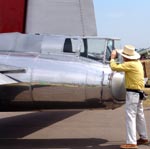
column 19, row 126
column 56, row 143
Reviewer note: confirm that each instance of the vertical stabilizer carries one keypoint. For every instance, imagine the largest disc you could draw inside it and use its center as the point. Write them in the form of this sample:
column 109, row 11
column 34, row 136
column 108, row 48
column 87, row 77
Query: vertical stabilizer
column 71, row 17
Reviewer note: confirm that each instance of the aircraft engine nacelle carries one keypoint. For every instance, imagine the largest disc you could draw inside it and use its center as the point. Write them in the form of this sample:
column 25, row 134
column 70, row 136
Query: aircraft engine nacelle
column 117, row 86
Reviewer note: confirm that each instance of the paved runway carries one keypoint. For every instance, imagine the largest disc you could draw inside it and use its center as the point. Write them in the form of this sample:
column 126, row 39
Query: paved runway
column 65, row 129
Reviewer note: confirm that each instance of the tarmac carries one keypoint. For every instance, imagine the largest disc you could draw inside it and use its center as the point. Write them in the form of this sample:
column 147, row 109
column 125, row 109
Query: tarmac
column 65, row 129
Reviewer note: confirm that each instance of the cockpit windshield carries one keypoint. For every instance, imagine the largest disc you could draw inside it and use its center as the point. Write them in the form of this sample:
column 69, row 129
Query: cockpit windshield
column 100, row 48
column 96, row 48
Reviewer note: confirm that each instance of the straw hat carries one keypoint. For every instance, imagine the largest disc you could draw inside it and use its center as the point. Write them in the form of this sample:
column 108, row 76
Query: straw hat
column 129, row 52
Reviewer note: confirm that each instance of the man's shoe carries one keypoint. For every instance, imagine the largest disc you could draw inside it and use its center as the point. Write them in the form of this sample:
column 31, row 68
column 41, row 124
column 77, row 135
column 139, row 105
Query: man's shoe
column 142, row 141
column 128, row 146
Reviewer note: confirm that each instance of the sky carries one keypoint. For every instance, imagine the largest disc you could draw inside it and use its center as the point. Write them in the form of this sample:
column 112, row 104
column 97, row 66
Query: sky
column 128, row 20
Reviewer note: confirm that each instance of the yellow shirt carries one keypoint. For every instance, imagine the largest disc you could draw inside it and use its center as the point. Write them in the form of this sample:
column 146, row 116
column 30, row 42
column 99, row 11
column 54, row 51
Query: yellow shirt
column 134, row 74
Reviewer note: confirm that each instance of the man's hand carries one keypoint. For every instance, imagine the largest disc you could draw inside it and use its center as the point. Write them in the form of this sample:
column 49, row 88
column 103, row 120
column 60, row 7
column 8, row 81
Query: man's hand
column 113, row 54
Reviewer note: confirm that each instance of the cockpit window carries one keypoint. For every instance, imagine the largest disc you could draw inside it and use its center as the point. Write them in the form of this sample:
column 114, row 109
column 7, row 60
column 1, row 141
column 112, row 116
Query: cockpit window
column 96, row 48
column 110, row 47
column 67, row 45
column 77, row 45
column 73, row 45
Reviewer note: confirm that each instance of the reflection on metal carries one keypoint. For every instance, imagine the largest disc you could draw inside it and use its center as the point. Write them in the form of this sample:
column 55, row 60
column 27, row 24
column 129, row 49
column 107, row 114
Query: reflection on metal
column 118, row 82
column 54, row 76
column 6, row 80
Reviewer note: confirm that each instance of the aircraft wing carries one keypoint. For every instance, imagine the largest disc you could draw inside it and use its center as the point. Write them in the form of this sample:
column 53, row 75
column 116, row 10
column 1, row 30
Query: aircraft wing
column 4, row 79
column 10, row 69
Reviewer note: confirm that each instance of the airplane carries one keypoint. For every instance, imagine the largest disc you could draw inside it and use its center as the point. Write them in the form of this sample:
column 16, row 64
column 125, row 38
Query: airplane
column 42, row 68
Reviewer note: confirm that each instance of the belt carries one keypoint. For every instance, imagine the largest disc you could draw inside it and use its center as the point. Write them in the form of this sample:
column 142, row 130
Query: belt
column 133, row 90
column 143, row 96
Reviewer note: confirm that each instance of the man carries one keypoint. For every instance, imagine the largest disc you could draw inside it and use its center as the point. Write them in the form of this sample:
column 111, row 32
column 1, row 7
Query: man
column 134, row 83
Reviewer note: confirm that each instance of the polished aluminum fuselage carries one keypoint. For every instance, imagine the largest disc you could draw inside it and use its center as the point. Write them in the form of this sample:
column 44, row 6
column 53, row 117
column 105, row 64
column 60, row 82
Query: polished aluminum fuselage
column 55, row 76
column 52, row 78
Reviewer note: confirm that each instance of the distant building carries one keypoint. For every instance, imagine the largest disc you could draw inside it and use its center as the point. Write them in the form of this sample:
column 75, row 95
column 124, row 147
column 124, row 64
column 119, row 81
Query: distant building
column 71, row 17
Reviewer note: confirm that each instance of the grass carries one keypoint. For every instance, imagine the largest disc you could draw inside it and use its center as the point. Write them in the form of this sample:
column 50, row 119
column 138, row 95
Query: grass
column 146, row 102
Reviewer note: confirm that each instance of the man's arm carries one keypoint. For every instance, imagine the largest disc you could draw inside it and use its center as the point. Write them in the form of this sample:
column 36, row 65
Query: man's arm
column 114, row 66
